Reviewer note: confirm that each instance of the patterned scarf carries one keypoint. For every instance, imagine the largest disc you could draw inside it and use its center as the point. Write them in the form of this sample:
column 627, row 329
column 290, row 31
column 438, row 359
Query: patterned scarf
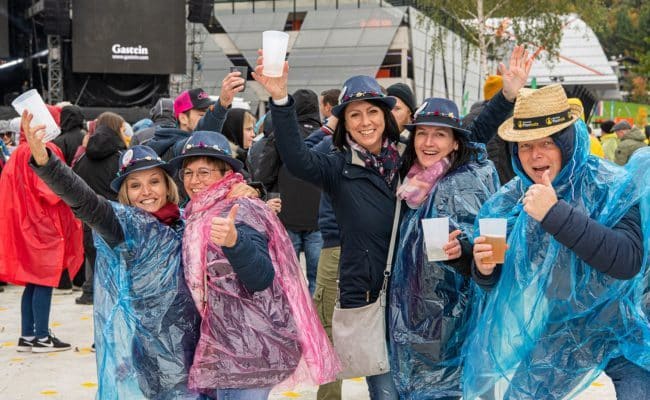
column 419, row 182
column 386, row 163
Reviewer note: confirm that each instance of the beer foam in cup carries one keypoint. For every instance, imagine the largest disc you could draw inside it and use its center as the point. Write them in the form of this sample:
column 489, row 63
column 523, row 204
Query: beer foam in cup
column 494, row 230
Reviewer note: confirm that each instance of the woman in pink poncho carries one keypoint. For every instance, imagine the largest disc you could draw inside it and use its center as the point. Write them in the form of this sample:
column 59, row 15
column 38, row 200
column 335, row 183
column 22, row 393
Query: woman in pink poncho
column 259, row 327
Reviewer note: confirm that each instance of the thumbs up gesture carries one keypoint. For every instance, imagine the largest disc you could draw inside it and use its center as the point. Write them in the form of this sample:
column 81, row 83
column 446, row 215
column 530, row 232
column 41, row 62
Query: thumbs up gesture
column 223, row 231
column 539, row 198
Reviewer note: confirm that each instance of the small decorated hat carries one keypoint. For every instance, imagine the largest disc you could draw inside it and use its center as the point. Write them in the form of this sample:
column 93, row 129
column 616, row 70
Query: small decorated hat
column 207, row 144
column 436, row 111
column 138, row 158
column 361, row 87
column 539, row 113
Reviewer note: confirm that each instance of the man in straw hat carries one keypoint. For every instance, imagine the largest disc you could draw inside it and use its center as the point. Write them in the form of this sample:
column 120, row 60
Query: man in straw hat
column 567, row 303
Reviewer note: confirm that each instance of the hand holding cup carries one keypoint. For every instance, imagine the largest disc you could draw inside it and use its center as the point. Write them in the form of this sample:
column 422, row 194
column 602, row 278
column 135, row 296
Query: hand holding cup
column 34, row 136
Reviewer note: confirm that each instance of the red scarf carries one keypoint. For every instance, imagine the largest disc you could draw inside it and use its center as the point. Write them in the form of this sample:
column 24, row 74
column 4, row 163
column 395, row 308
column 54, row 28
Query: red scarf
column 168, row 214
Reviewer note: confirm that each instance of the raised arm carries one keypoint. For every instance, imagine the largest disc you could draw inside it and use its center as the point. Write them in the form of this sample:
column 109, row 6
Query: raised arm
column 92, row 209
column 311, row 166
column 498, row 109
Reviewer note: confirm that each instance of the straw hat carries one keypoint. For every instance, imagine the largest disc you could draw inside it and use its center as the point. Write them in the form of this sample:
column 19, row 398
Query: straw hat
column 539, row 113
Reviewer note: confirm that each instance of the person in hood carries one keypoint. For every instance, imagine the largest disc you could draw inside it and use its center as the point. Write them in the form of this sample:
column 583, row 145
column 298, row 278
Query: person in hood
column 570, row 300
column 239, row 129
column 41, row 239
column 146, row 326
column 98, row 167
column 72, row 133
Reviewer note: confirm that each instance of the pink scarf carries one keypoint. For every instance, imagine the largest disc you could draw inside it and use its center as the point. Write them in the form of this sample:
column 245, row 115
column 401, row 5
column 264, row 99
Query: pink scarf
column 420, row 182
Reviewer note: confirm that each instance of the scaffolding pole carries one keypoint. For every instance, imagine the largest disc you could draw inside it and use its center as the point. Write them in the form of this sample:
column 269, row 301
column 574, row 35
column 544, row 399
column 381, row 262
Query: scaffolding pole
column 54, row 70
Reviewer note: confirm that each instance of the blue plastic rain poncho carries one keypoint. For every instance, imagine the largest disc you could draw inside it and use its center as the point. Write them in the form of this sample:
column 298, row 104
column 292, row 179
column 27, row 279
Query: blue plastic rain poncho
column 146, row 325
column 552, row 323
column 430, row 302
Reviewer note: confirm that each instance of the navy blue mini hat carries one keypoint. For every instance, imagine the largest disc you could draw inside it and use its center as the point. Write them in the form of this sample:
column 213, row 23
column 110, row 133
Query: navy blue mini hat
column 436, row 111
column 207, row 144
column 137, row 158
column 361, row 87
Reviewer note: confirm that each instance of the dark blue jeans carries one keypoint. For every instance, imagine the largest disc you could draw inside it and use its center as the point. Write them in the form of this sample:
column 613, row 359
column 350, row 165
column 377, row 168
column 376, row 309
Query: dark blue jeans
column 311, row 242
column 382, row 387
column 631, row 382
column 35, row 310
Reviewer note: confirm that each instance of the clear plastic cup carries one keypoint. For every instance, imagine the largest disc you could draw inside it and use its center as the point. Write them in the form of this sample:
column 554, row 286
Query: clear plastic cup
column 32, row 101
column 274, row 50
column 494, row 230
column 436, row 235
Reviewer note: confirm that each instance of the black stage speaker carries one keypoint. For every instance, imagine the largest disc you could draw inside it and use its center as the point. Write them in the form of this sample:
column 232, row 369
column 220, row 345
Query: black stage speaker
column 56, row 15
column 200, row 11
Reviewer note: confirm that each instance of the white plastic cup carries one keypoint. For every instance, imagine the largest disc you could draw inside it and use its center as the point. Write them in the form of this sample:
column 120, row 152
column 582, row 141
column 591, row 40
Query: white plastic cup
column 32, row 102
column 436, row 235
column 494, row 230
column 274, row 50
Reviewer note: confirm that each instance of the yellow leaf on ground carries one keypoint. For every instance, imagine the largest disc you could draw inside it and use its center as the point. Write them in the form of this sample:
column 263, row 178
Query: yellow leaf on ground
column 8, row 344
column 89, row 384
column 3, row 309
column 56, row 324
column 85, row 318
column 49, row 392
column 356, row 379
column 292, row 395
column 17, row 359
column 597, row 384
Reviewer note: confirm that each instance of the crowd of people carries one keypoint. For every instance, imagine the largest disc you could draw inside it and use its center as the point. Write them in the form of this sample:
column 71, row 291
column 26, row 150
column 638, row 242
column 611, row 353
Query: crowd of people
column 186, row 229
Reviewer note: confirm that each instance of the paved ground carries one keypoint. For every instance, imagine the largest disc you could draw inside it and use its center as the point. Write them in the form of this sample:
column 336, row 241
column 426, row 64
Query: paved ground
column 71, row 375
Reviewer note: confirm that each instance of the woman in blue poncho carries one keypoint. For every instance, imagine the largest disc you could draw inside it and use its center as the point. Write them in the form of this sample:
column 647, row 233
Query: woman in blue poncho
column 146, row 325
column 448, row 176
column 569, row 301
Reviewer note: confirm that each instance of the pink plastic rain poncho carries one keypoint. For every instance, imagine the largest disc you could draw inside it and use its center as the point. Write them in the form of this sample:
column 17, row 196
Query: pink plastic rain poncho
column 251, row 340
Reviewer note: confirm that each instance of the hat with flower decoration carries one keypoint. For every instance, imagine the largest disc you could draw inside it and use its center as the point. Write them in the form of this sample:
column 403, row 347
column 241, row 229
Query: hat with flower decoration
column 361, row 87
column 138, row 158
column 207, row 144
column 436, row 111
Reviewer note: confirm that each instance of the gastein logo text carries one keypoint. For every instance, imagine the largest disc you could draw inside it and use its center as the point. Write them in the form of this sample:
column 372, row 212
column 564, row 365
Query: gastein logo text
column 129, row 53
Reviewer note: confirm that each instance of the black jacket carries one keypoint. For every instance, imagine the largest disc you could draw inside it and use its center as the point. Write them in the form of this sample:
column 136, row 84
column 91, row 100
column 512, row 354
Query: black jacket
column 300, row 199
column 71, row 135
column 98, row 167
column 498, row 150
column 363, row 203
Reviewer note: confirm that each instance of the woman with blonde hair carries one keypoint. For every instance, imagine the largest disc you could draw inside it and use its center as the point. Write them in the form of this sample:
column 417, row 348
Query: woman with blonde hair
column 146, row 326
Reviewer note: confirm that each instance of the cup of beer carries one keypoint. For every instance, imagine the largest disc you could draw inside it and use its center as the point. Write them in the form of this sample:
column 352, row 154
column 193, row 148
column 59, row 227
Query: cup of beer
column 436, row 235
column 494, row 231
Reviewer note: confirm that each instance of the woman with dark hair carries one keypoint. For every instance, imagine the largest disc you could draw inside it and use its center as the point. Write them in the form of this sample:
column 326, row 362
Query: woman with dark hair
column 362, row 176
column 446, row 175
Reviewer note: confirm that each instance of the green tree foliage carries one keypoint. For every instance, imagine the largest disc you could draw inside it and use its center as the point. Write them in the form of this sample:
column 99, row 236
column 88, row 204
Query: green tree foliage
column 624, row 32
column 491, row 24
